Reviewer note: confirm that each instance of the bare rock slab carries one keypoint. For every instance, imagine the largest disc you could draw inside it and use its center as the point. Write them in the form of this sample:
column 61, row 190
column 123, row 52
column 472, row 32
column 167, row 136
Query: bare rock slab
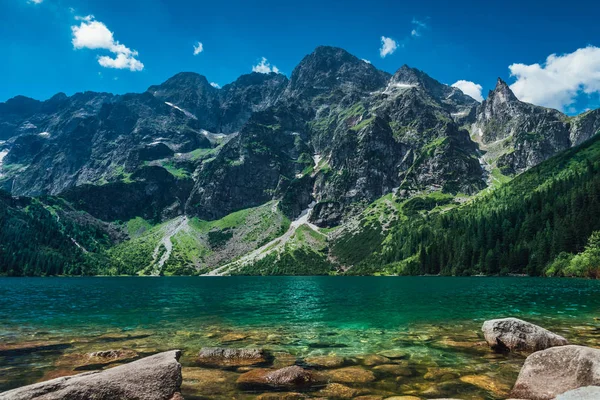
column 157, row 377
column 549, row 373
column 513, row 334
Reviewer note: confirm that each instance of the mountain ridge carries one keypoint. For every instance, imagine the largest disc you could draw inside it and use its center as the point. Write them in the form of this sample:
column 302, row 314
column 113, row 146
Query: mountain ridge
column 335, row 138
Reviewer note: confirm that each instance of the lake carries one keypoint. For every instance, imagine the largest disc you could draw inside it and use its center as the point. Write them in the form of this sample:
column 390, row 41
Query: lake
column 48, row 325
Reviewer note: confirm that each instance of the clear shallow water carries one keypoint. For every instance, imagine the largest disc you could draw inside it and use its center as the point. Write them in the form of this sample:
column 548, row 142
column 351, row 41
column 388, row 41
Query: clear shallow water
column 435, row 319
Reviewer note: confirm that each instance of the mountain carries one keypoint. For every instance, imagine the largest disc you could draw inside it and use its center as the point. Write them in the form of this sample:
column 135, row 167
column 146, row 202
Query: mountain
column 519, row 135
column 337, row 151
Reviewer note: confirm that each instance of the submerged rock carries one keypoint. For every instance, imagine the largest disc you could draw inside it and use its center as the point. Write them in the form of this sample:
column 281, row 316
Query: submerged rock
column 351, row 375
column 220, row 357
column 281, row 396
column 512, row 334
column 549, row 373
column 157, row 377
column 487, row 383
column 394, row 354
column 288, row 377
column 338, row 391
column 325, row 361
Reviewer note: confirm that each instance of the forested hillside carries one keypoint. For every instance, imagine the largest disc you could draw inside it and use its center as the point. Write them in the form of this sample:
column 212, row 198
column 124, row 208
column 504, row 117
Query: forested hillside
column 520, row 227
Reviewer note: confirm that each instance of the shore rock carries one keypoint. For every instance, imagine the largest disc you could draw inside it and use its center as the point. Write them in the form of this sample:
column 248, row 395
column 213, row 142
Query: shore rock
column 584, row 393
column 512, row 334
column 288, row 377
column 549, row 373
column 220, row 357
column 157, row 377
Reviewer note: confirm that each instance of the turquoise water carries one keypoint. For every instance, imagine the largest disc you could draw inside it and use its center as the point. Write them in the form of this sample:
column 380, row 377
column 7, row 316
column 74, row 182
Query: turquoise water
column 302, row 316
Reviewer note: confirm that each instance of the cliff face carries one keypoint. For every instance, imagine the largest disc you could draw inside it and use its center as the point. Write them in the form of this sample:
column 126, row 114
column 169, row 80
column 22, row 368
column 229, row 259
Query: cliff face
column 527, row 134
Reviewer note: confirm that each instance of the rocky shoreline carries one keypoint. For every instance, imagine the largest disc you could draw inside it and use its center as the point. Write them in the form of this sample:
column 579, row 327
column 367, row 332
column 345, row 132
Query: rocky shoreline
column 553, row 369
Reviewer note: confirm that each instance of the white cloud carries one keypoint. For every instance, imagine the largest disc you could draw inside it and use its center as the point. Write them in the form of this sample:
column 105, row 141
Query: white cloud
column 94, row 35
column 419, row 27
column 557, row 82
column 36, row 1
column 215, row 85
column 367, row 61
column 470, row 89
column 198, row 48
column 264, row 67
column 388, row 46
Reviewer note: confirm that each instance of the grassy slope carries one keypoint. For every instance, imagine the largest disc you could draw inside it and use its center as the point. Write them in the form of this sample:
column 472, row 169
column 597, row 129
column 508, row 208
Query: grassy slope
column 200, row 245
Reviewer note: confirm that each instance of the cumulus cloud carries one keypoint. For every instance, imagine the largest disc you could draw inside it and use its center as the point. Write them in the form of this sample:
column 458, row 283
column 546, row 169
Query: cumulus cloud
column 198, row 48
column 36, row 1
column 367, row 61
column 388, row 46
column 94, row 35
column 215, row 85
column 560, row 80
column 470, row 89
column 264, row 67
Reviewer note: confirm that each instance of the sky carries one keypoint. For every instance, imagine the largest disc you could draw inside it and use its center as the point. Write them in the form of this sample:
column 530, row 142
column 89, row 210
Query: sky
column 549, row 52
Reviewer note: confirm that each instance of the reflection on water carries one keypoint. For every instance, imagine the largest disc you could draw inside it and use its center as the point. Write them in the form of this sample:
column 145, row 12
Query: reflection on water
column 48, row 326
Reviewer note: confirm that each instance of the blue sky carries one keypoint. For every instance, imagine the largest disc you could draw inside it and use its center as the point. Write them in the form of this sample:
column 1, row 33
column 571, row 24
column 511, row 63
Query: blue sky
column 473, row 41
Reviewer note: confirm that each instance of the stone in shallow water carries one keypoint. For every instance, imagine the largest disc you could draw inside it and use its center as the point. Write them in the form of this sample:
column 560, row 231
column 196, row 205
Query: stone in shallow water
column 233, row 337
column 440, row 374
column 351, row 375
column 394, row 353
column 548, row 373
column 220, row 357
column 513, row 334
column 338, row 391
column 281, row 396
column 156, row 377
column 208, row 382
column 331, row 361
column 393, row 369
column 288, row 377
column 403, row 398
column 374, row 359
column 485, row 382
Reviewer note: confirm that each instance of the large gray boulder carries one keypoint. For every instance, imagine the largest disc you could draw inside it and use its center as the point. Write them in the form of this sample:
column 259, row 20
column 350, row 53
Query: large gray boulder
column 552, row 372
column 513, row 334
column 157, row 377
column 584, row 393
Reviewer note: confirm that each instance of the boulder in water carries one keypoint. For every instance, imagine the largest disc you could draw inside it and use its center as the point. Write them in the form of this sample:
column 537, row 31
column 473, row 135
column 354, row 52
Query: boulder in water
column 552, row 372
column 157, row 377
column 512, row 334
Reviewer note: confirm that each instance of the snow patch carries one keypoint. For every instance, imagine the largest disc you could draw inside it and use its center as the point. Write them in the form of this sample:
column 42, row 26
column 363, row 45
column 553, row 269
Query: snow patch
column 187, row 113
column 44, row 134
column 3, row 154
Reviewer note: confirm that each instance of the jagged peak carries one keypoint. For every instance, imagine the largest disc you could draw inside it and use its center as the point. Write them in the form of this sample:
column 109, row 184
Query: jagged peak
column 502, row 92
column 257, row 78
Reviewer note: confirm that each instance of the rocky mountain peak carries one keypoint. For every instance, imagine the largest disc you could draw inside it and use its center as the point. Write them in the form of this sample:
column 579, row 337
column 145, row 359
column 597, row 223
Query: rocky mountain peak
column 329, row 69
column 502, row 93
